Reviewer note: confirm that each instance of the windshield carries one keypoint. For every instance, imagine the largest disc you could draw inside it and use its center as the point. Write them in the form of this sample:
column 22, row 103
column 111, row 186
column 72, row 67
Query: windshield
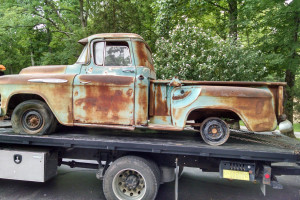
column 83, row 56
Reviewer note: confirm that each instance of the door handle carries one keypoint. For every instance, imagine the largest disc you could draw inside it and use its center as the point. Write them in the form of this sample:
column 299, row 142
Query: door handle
column 85, row 82
column 128, row 70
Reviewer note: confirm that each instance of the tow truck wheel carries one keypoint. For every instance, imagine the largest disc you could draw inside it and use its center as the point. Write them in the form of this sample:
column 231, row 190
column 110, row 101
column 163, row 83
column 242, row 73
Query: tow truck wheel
column 33, row 117
column 131, row 178
column 214, row 131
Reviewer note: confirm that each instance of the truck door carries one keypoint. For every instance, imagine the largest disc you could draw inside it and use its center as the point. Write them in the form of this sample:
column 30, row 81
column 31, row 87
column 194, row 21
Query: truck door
column 104, row 90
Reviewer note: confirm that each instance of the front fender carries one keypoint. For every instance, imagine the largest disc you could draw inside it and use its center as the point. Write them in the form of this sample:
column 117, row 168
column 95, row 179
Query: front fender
column 254, row 106
column 56, row 90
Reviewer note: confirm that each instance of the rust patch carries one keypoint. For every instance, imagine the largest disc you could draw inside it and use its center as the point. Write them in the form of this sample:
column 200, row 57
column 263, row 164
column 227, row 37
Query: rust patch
column 175, row 82
column 129, row 92
column 23, row 79
column 70, row 114
column 106, row 102
column 142, row 115
column 141, row 52
column 259, row 107
column 151, row 99
column 224, row 83
column 131, row 128
column 280, row 101
column 224, row 91
column 107, row 79
column 253, row 104
column 51, row 69
column 57, row 95
column 185, row 94
column 164, row 127
column 110, row 35
column 161, row 107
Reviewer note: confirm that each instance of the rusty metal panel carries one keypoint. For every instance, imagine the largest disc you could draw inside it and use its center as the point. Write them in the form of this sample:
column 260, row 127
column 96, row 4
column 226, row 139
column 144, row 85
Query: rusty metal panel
column 54, row 69
column 224, row 83
column 254, row 106
column 151, row 99
column 141, row 95
column 141, row 56
column 103, row 99
column 110, row 36
column 58, row 95
column 161, row 105
column 280, row 100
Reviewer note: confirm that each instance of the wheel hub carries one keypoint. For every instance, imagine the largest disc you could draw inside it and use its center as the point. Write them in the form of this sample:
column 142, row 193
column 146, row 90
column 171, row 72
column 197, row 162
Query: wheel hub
column 129, row 184
column 215, row 131
column 32, row 120
column 131, row 181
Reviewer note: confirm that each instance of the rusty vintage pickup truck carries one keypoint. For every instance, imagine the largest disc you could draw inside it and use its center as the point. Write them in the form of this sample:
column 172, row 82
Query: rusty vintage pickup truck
column 113, row 85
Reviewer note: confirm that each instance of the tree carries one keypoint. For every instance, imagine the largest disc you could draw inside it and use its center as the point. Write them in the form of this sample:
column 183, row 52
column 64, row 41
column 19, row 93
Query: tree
column 193, row 53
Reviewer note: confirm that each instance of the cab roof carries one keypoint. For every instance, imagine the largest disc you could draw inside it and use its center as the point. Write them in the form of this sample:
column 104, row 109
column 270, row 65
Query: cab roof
column 84, row 41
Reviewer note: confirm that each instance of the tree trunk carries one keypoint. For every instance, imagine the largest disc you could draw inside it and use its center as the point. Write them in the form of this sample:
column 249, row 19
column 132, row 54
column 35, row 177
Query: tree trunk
column 49, row 39
column 32, row 58
column 114, row 16
column 83, row 19
column 233, row 15
column 290, row 76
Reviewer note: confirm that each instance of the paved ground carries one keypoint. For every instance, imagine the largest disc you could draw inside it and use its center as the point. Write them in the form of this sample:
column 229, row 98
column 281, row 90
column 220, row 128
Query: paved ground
column 81, row 184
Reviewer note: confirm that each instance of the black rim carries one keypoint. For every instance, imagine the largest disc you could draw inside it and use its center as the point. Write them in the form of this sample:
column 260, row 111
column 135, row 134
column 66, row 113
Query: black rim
column 214, row 130
column 32, row 120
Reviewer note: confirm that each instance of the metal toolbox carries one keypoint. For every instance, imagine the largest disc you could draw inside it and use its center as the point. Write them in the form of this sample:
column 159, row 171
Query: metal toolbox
column 37, row 165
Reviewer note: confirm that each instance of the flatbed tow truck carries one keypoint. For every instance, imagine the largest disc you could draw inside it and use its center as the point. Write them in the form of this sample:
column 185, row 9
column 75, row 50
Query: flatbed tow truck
column 158, row 156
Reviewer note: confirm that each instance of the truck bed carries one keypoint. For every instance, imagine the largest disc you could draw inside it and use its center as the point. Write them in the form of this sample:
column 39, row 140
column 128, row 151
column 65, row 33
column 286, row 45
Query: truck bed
column 275, row 148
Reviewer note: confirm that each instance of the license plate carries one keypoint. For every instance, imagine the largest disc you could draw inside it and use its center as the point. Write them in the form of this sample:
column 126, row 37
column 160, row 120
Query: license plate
column 238, row 175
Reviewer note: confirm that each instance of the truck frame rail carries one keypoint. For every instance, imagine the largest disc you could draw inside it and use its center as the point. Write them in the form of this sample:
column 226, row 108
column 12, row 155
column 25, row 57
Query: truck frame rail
column 275, row 148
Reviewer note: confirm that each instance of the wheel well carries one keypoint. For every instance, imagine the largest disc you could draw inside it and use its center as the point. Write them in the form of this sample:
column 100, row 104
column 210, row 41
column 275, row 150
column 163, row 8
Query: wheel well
column 199, row 115
column 19, row 98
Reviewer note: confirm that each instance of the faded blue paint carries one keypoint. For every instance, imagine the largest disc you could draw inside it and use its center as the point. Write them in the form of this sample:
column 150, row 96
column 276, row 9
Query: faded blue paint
column 73, row 69
column 141, row 94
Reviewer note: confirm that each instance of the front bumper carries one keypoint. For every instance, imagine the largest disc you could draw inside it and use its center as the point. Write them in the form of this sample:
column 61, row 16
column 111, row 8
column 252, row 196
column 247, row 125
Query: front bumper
column 285, row 126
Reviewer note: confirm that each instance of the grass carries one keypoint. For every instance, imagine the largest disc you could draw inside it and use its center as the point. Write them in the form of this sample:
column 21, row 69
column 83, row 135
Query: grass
column 297, row 127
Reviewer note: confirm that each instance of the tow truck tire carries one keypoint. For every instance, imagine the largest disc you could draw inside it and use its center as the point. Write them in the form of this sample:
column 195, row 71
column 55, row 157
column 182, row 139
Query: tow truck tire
column 33, row 117
column 214, row 131
column 131, row 178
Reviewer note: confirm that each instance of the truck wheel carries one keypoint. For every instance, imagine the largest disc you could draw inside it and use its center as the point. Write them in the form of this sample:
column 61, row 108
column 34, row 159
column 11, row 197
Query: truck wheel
column 214, row 131
column 130, row 178
column 33, row 117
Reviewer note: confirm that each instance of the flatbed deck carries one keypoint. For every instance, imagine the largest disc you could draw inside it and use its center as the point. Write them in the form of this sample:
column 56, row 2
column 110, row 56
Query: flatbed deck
column 274, row 148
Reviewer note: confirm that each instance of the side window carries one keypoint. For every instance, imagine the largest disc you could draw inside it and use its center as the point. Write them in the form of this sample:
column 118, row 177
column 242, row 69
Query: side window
column 98, row 52
column 83, row 56
column 117, row 54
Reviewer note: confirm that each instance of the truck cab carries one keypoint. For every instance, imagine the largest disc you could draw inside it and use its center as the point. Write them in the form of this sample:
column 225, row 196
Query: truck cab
column 112, row 86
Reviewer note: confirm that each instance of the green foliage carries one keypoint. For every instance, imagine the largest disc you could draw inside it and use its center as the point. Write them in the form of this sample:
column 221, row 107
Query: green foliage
column 194, row 39
column 194, row 53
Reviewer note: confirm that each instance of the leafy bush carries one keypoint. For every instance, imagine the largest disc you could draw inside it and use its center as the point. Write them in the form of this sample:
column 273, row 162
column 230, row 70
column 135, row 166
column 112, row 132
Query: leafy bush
column 192, row 53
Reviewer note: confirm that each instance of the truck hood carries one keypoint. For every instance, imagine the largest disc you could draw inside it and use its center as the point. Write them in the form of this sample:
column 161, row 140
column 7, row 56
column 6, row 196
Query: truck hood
column 49, row 69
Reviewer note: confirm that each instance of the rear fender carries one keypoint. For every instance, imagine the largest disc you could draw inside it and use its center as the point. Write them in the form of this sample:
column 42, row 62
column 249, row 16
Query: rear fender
column 254, row 106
